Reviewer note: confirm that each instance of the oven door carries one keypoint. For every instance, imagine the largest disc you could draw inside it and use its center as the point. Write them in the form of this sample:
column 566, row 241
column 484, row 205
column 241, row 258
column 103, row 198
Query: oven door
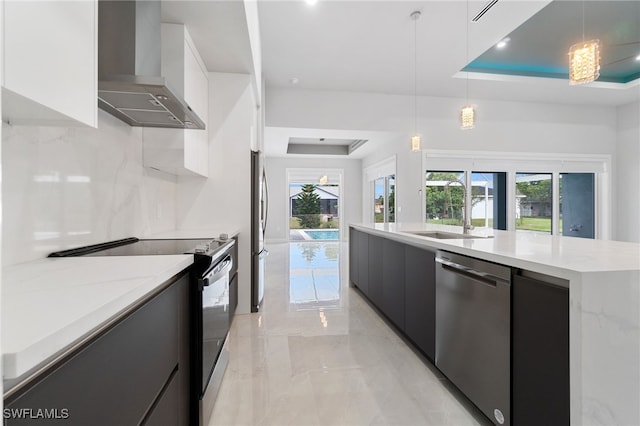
column 215, row 316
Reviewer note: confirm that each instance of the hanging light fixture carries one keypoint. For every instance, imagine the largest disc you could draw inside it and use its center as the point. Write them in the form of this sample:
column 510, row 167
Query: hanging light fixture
column 415, row 139
column 468, row 111
column 584, row 59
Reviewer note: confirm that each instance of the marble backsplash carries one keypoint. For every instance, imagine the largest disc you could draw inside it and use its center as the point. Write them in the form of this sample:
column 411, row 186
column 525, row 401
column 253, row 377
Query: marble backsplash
column 66, row 187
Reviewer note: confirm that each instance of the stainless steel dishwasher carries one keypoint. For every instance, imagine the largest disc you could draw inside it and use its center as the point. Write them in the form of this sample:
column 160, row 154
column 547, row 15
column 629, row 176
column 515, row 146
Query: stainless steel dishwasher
column 473, row 311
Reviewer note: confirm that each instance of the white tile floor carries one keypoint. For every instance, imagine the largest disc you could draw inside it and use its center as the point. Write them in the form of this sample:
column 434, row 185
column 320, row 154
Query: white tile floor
column 318, row 354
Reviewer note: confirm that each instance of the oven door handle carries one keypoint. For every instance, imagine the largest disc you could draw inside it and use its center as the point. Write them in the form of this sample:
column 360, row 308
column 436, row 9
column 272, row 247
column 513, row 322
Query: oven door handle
column 218, row 271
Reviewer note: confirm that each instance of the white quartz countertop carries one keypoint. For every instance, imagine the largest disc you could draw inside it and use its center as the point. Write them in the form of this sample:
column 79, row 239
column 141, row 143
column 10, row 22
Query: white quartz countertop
column 49, row 304
column 543, row 253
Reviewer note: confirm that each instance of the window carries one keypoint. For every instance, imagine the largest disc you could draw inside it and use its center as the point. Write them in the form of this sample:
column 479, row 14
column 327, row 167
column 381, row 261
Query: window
column 379, row 210
column 384, row 189
column 391, row 198
column 489, row 200
column 534, row 202
column 557, row 194
column 444, row 197
column 379, row 180
column 445, row 192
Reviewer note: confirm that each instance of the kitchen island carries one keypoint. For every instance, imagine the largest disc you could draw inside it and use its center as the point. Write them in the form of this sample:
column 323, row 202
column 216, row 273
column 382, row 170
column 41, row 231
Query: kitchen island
column 604, row 306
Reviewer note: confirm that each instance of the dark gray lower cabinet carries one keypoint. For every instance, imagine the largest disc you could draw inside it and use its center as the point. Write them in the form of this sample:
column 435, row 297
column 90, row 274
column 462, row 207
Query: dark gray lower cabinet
column 363, row 262
column 393, row 282
column 540, row 357
column 374, row 291
column 359, row 259
column 123, row 375
column 353, row 256
column 399, row 280
column 420, row 299
column 166, row 410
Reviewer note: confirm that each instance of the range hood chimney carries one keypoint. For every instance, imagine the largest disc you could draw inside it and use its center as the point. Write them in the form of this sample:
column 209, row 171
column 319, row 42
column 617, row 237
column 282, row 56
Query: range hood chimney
column 130, row 85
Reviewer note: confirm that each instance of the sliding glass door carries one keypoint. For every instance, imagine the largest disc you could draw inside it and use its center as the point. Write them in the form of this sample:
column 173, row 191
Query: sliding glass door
column 546, row 202
column 384, row 189
column 577, row 205
column 534, row 202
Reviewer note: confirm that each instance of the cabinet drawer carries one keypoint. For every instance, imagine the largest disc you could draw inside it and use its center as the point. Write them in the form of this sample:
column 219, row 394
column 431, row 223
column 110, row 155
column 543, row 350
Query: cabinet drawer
column 166, row 410
column 116, row 378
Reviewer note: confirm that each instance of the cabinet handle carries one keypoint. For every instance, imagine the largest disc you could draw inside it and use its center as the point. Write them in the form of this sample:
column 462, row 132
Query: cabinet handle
column 484, row 277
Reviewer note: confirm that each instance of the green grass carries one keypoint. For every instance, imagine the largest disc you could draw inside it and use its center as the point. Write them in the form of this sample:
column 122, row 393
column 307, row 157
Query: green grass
column 540, row 224
column 294, row 223
column 457, row 222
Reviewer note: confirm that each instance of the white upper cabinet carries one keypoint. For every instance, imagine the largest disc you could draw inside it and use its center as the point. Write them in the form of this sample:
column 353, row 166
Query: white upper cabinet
column 50, row 62
column 177, row 151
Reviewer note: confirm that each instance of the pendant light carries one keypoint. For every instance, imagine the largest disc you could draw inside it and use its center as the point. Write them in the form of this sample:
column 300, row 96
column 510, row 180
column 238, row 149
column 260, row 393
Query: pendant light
column 415, row 139
column 468, row 111
column 584, row 59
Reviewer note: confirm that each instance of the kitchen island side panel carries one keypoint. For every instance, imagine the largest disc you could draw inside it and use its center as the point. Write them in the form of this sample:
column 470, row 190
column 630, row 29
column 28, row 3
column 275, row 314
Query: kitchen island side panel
column 605, row 348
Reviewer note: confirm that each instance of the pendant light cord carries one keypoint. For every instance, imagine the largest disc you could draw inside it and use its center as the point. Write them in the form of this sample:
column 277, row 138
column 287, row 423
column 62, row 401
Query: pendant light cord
column 466, row 18
column 583, row 21
column 415, row 16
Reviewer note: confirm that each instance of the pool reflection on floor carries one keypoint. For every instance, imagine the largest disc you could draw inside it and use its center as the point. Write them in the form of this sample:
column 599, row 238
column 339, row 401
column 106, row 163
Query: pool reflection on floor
column 318, row 354
column 314, row 275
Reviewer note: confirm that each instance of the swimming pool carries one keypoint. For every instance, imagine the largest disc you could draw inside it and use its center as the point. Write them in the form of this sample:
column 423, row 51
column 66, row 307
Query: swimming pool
column 328, row 234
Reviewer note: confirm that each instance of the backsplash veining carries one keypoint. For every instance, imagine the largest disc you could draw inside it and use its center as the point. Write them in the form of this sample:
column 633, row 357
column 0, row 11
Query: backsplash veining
column 65, row 187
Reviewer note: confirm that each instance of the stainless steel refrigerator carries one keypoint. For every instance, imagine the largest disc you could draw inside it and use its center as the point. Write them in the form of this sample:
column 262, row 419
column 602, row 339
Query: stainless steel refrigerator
column 259, row 207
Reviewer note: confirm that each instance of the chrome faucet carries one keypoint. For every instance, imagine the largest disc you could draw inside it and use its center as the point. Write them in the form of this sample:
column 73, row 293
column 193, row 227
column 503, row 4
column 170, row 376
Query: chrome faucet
column 466, row 206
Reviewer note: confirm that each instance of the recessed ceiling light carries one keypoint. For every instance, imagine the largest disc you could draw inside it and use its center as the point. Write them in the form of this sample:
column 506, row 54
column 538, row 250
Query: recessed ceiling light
column 294, row 80
column 311, row 2
column 638, row 58
column 503, row 43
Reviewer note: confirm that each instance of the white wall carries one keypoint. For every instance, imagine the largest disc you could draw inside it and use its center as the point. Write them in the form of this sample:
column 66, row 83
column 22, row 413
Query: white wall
column 223, row 201
column 627, row 174
column 501, row 126
column 67, row 187
column 276, row 168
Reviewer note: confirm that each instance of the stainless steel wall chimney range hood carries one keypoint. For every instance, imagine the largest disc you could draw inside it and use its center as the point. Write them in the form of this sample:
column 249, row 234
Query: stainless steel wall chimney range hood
column 130, row 85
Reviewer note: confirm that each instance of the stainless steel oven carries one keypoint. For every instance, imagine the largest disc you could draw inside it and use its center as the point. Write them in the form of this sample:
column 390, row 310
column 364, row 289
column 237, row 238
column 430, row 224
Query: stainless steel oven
column 212, row 333
column 209, row 306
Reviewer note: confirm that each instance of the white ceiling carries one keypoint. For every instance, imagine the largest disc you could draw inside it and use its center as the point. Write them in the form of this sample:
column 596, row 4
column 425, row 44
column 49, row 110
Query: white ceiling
column 368, row 46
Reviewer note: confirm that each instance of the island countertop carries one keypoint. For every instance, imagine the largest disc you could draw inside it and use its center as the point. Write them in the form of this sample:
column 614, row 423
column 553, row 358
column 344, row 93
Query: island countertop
column 553, row 255
column 604, row 307
column 49, row 304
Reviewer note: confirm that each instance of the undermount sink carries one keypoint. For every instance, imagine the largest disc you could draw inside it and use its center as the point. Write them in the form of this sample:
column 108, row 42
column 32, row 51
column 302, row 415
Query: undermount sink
column 446, row 235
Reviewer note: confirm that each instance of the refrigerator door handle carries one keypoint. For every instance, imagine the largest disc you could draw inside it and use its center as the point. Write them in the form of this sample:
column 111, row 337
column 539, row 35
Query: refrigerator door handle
column 266, row 203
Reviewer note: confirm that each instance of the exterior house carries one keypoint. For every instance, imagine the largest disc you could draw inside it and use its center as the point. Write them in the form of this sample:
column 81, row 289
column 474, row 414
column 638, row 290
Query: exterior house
column 329, row 196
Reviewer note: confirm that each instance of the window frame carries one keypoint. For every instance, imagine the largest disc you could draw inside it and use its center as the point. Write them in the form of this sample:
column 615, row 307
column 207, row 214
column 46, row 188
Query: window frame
column 381, row 169
column 518, row 162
